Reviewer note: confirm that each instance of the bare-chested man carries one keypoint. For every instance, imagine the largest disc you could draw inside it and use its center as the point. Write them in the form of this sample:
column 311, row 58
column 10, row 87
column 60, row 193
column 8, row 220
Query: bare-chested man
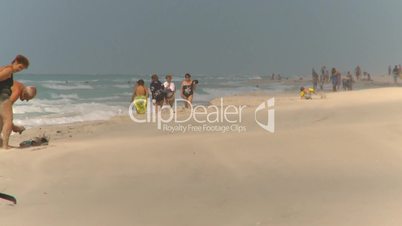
column 19, row 91
column 24, row 93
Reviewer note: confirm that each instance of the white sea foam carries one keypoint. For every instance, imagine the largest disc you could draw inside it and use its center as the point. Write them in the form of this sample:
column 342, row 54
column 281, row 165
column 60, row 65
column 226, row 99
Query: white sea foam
column 100, row 98
column 27, row 109
column 255, row 78
column 73, row 96
column 67, row 86
column 40, row 106
column 92, row 116
column 214, row 93
column 67, row 81
column 123, row 86
column 69, row 114
column 25, row 81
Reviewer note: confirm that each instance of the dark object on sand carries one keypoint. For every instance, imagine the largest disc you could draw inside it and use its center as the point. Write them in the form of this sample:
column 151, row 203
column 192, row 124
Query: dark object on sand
column 37, row 141
column 8, row 198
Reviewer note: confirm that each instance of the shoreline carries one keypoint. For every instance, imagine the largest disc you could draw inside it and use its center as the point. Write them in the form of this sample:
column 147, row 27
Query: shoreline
column 67, row 131
column 61, row 102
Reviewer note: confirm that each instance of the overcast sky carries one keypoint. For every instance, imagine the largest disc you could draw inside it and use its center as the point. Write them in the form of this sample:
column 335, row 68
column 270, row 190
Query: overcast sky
column 201, row 36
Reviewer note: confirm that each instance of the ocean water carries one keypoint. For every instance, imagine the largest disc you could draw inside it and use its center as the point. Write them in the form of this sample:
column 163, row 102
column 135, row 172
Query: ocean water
column 77, row 98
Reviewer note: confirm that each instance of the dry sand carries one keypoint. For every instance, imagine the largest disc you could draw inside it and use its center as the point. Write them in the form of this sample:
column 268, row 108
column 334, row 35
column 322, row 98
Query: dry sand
column 334, row 161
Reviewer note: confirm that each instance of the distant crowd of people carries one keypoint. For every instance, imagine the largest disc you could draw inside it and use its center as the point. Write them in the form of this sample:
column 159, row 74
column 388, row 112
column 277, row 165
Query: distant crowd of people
column 336, row 79
column 164, row 93
column 276, row 76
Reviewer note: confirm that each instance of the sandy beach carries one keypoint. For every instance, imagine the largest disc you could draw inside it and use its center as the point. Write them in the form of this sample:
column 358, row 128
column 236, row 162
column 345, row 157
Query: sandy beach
column 332, row 161
column 201, row 113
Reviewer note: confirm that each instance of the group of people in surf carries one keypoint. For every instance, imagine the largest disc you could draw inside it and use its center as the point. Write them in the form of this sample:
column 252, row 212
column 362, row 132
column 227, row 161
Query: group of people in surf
column 10, row 92
column 320, row 80
column 334, row 77
column 162, row 93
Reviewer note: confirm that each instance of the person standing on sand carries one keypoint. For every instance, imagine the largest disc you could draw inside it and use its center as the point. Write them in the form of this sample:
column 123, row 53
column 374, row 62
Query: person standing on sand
column 389, row 70
column 322, row 78
column 358, row 72
column 347, row 83
column 140, row 97
column 338, row 80
column 156, row 89
column 395, row 74
column 315, row 79
column 349, row 76
column 334, row 79
column 323, row 69
column 7, row 72
column 139, row 90
column 170, row 90
column 187, row 89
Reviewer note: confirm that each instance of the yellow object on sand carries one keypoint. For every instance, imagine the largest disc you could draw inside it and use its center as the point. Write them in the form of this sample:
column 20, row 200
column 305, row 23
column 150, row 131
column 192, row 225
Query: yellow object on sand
column 140, row 103
column 303, row 93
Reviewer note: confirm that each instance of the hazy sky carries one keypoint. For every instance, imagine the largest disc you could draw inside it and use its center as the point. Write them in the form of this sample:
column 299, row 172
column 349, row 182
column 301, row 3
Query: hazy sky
column 201, row 36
